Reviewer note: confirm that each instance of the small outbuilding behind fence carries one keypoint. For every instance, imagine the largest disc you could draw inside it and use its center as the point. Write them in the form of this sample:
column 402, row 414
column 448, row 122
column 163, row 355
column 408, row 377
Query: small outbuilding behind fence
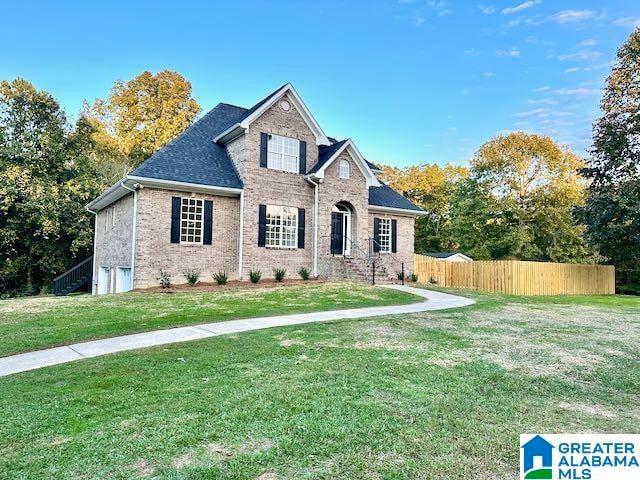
column 518, row 278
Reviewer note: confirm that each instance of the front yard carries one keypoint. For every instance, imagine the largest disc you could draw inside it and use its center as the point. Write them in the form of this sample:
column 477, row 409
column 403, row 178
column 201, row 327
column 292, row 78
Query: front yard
column 41, row 322
column 432, row 395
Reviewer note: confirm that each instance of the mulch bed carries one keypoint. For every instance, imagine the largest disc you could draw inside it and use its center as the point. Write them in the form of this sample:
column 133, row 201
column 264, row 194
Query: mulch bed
column 231, row 285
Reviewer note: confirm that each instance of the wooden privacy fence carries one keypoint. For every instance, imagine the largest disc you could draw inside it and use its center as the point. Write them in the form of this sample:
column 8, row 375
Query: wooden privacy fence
column 518, row 278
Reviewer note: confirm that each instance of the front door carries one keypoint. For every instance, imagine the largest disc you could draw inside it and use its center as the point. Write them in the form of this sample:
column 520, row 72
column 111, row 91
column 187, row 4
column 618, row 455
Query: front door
column 337, row 233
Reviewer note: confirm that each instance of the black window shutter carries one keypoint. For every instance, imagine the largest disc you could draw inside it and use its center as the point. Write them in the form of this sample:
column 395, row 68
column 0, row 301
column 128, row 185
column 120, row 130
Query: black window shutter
column 301, row 228
column 376, row 234
column 208, row 222
column 264, row 138
column 175, row 219
column 303, row 157
column 262, row 225
column 394, row 236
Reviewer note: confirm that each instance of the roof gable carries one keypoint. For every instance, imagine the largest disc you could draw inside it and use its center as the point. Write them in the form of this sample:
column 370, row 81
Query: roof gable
column 243, row 122
column 327, row 155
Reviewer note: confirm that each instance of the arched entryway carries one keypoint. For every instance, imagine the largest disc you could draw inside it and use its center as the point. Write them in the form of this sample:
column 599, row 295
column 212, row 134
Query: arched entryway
column 342, row 228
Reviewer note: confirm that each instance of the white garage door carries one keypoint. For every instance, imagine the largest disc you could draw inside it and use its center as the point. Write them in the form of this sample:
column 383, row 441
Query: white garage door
column 123, row 279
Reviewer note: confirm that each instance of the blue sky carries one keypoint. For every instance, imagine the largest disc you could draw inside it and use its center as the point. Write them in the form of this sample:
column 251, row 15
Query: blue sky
column 411, row 81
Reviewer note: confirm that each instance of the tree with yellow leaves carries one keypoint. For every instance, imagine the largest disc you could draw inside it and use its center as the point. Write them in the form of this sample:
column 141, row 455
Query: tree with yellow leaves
column 142, row 115
column 430, row 186
column 519, row 202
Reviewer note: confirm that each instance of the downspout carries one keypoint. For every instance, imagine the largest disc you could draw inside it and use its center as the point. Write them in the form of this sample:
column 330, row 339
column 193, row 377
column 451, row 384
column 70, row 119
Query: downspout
column 241, row 236
column 133, row 231
column 94, row 283
column 315, row 225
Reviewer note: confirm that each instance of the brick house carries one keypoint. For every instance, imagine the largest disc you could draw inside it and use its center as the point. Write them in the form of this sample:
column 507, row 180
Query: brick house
column 246, row 189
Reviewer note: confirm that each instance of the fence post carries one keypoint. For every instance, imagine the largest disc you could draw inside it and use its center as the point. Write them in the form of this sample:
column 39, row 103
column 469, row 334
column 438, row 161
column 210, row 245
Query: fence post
column 402, row 273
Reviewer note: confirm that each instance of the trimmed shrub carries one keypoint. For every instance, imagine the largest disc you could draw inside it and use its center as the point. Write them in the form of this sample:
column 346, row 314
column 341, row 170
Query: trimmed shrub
column 165, row 279
column 413, row 277
column 399, row 275
column 255, row 276
column 221, row 278
column 279, row 273
column 304, row 273
column 192, row 277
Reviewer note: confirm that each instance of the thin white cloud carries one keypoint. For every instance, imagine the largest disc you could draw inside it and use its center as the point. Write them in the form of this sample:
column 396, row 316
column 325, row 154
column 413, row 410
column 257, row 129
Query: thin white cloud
column 440, row 6
column 418, row 20
column 571, row 70
column 577, row 92
column 542, row 89
column 470, row 52
column 453, row 129
column 573, row 16
column 487, row 9
column 588, row 42
column 520, row 7
column 542, row 101
column 488, row 74
column 511, row 52
column 627, row 21
column 579, row 56
column 533, row 113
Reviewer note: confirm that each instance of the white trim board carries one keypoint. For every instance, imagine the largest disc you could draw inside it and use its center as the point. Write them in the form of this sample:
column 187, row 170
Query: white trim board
column 400, row 211
column 239, row 128
column 360, row 162
column 129, row 182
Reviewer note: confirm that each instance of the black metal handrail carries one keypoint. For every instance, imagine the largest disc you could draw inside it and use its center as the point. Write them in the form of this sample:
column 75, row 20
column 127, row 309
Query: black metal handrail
column 74, row 278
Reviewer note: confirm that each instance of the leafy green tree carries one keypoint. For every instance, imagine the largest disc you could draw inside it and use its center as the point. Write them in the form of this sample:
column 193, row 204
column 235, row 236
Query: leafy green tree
column 431, row 187
column 519, row 202
column 142, row 115
column 612, row 211
column 46, row 177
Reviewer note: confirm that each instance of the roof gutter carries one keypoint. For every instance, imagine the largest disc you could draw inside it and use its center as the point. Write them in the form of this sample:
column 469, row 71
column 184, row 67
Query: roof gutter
column 124, row 186
column 400, row 211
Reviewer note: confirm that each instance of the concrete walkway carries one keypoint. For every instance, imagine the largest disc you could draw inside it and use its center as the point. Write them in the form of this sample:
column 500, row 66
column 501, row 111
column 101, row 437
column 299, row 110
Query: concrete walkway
column 77, row 351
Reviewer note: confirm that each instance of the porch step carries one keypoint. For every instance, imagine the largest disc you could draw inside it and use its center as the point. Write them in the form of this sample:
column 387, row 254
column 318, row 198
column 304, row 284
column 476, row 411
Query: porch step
column 360, row 269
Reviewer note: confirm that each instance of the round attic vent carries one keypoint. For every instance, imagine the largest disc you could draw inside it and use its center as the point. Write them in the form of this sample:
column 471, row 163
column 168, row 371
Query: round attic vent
column 285, row 105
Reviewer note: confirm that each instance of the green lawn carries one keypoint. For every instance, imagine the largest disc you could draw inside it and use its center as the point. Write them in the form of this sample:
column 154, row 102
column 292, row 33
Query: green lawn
column 432, row 395
column 39, row 322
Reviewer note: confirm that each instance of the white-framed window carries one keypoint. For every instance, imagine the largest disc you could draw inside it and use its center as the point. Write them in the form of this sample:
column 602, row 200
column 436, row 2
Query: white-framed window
column 283, row 153
column 282, row 227
column 109, row 218
column 191, row 219
column 384, row 234
column 344, row 169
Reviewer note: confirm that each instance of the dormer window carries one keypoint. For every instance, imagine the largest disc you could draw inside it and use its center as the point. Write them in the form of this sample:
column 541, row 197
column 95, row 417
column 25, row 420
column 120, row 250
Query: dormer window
column 344, row 169
column 283, row 153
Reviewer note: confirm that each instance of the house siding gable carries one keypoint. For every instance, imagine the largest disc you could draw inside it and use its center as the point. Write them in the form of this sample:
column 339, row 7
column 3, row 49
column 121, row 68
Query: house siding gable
column 272, row 187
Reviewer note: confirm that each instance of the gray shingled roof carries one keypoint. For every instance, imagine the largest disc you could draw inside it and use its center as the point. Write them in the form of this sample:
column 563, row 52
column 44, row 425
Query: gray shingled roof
column 193, row 157
column 326, row 152
column 385, row 196
column 439, row 254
